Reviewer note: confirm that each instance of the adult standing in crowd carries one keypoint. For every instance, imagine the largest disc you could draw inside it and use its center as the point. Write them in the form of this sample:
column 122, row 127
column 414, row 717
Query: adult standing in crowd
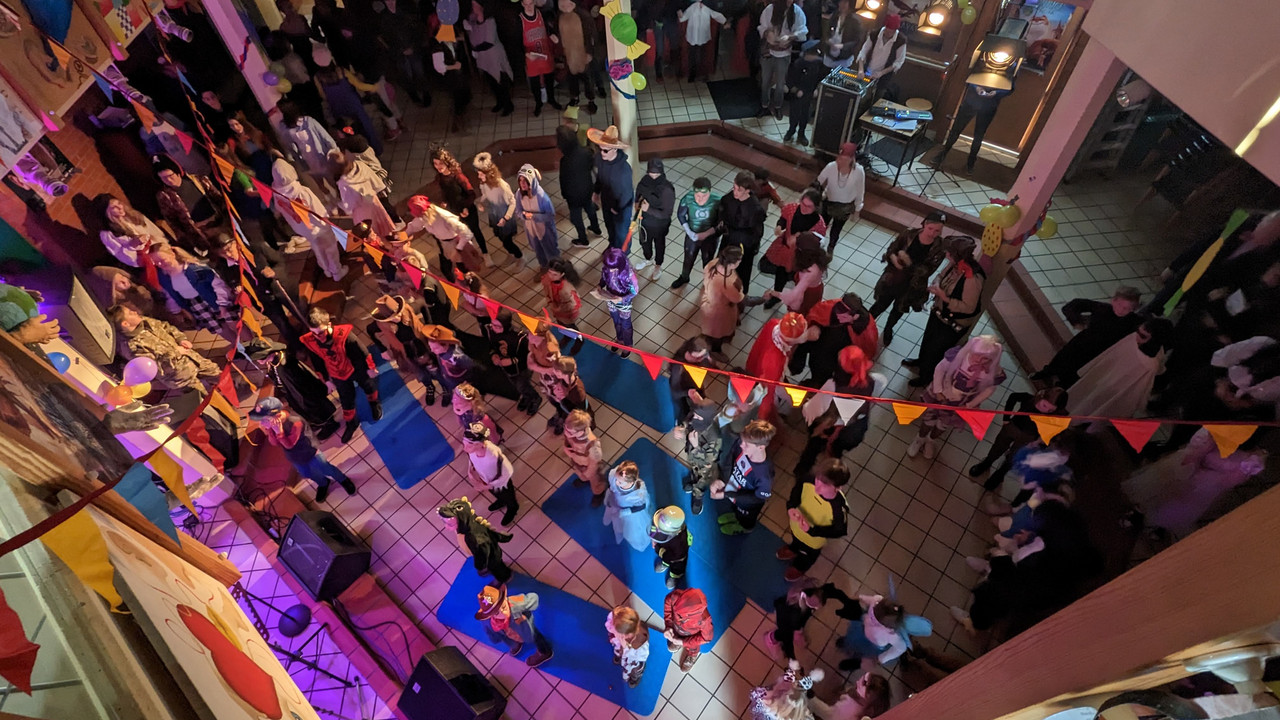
column 490, row 56
column 577, row 183
column 539, row 55
column 844, row 187
column 657, row 198
column 910, row 261
column 782, row 24
column 957, row 303
column 883, row 54
column 742, row 224
column 613, row 190
column 1100, row 326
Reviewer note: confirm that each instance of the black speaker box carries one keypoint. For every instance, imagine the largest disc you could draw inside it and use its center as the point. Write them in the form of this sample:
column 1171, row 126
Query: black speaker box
column 446, row 686
column 835, row 117
column 323, row 554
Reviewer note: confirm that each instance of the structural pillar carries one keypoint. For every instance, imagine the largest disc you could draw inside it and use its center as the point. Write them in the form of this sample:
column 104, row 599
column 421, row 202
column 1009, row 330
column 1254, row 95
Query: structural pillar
column 234, row 34
column 625, row 115
column 1090, row 86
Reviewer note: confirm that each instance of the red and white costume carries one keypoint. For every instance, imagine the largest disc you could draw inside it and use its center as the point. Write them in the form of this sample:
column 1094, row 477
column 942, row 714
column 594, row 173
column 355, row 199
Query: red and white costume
column 771, row 352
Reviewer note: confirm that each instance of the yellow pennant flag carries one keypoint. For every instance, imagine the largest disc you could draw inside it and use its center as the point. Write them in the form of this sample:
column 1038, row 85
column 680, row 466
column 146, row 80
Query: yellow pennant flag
column 171, row 473
column 1049, row 426
column 221, row 404
column 530, row 322
column 78, row 543
column 907, row 413
column 454, row 292
column 251, row 321
column 374, row 254
column 1229, row 437
column 64, row 57
column 697, row 373
column 797, row 395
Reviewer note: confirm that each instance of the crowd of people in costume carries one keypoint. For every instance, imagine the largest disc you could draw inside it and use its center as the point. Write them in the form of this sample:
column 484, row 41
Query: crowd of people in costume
column 190, row 265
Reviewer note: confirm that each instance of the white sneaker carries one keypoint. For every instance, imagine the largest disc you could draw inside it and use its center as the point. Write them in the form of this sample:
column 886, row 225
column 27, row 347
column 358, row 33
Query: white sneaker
column 914, row 448
column 655, row 272
column 642, row 264
column 930, row 449
column 341, row 274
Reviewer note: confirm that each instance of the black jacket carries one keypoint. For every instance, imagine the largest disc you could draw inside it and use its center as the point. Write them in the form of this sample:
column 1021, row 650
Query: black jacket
column 804, row 76
column 741, row 221
column 577, row 173
column 661, row 195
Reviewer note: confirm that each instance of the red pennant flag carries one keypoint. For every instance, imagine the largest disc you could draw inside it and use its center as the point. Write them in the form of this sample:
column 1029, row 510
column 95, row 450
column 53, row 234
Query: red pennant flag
column 264, row 191
column 228, row 388
column 742, row 387
column 1136, row 432
column 652, row 363
column 184, row 140
column 493, row 307
column 17, row 653
column 979, row 420
column 415, row 275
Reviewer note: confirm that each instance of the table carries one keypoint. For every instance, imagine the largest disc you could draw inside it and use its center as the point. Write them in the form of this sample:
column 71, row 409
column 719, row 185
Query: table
column 908, row 136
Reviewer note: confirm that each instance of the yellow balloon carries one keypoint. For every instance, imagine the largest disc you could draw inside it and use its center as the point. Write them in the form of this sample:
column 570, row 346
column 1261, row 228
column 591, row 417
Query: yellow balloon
column 1009, row 216
column 638, row 81
column 1048, row 228
column 989, row 214
column 142, row 390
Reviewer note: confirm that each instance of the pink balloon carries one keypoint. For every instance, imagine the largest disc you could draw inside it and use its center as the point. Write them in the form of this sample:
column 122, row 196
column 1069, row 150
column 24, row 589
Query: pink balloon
column 140, row 370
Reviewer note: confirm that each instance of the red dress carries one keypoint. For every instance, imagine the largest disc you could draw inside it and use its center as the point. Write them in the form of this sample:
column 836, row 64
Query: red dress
column 767, row 362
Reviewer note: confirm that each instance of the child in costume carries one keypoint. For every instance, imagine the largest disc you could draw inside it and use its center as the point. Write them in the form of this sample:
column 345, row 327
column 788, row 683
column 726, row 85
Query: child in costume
column 630, row 640
column 470, row 408
column 509, row 620
column 788, row 698
column 671, row 539
column 509, row 352
column 455, row 367
column 477, row 538
column 882, row 634
column 965, row 378
column 291, row 434
column 544, row 351
column 490, row 470
column 818, row 511
column 302, row 387
column 586, row 457
column 688, row 625
column 538, row 215
column 539, row 55
column 567, row 392
column 793, row 610
column 497, row 202
column 559, row 283
column 346, row 363
column 771, row 352
column 747, row 479
column 455, row 240
column 398, row 331
column 702, row 449
column 626, row 506
column 618, row 288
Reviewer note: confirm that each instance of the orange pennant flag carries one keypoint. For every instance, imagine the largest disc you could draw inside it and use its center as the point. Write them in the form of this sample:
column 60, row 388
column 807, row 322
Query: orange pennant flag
column 377, row 255
column 652, row 363
column 169, row 471
column 251, row 322
column 63, row 57
column 530, row 322
column 1229, row 437
column 1049, row 426
column 78, row 543
column 907, row 413
column 797, row 395
column 979, row 420
column 453, row 292
column 145, row 116
column 303, row 212
column 697, row 373
column 1136, row 432
column 225, row 168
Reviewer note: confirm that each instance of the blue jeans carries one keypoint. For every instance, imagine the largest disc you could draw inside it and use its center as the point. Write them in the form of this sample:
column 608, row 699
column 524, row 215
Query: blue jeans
column 618, row 222
column 320, row 470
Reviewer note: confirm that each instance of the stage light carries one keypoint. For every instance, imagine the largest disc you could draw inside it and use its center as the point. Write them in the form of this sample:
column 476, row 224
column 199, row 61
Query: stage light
column 996, row 62
column 869, row 8
column 934, row 17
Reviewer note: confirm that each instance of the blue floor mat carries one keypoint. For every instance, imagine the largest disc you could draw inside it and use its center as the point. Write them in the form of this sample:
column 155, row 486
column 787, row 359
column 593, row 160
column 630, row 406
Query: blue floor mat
column 576, row 631
column 626, row 385
column 409, row 443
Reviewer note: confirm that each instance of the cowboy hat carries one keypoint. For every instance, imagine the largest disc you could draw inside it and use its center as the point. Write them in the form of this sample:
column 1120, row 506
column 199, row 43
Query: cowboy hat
column 607, row 138
column 491, row 599
column 261, row 349
column 387, row 307
column 441, row 334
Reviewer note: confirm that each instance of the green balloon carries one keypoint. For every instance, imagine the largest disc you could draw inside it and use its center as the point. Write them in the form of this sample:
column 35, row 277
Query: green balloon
column 638, row 81
column 989, row 214
column 968, row 15
column 623, row 27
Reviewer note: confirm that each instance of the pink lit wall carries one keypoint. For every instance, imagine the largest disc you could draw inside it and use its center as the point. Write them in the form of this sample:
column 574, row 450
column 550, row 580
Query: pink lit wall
column 1217, row 61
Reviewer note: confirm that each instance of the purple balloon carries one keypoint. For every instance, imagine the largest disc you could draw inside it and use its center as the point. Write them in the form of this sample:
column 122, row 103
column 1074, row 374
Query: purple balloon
column 270, row 78
column 140, row 370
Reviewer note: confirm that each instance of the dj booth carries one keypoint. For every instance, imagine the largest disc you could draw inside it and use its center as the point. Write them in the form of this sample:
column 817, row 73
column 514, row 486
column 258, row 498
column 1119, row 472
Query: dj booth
column 842, row 97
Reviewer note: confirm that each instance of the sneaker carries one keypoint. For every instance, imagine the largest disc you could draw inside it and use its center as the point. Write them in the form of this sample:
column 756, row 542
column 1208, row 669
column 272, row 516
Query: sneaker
column 695, row 505
column 375, row 409
column 785, row 554
column 538, row 658
column 322, row 493
column 516, row 649
column 349, row 486
column 341, row 274
column 733, row 528
column 979, row 469
column 533, row 407
column 680, row 282
column 910, row 363
column 430, row 398
column 595, row 230
column 792, row 575
column 581, row 242
column 641, row 264
column 327, row 431
column 655, row 272
column 659, row 565
column 777, row 113
column 686, row 662
column 633, row 682
column 726, row 518
column 979, row 565
column 963, row 618
column 930, row 450
column 802, row 139
column 914, row 448
column 670, row 582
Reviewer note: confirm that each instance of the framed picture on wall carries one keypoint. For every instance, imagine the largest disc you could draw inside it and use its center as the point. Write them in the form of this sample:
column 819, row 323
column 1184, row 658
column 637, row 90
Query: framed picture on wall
column 19, row 126
column 1047, row 23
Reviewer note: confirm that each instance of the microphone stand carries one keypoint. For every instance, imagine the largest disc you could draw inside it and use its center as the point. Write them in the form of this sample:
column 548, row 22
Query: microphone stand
column 937, row 98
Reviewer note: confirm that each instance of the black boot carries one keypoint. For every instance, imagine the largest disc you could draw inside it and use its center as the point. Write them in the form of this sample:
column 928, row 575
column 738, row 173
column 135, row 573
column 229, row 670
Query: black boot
column 695, row 505
column 430, row 397
column 327, row 430
column 349, row 486
column 350, row 430
column 375, row 409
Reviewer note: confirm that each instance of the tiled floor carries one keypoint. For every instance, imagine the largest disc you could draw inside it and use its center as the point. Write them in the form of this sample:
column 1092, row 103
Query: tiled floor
column 913, row 519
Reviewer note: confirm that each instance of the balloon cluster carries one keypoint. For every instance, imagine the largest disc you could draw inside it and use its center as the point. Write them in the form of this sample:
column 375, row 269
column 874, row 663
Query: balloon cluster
column 968, row 13
column 623, row 28
column 136, row 382
column 275, row 77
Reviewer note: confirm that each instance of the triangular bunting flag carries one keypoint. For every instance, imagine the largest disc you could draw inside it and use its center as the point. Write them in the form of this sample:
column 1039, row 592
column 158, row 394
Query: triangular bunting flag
column 303, row 212
column 979, row 420
column 530, row 322
column 228, row 388
column 742, row 387
column 17, row 653
column 264, row 191
column 79, row 544
column 185, row 141
column 344, row 239
column 170, row 472
column 453, row 292
column 377, row 256
column 1229, row 437
column 415, row 275
column 797, row 395
column 138, row 488
column 63, row 57
column 1136, row 432
column 105, row 86
column 183, row 79
column 225, row 168
column 145, row 116
column 907, row 414
column 1049, row 426
column 219, row 402
column 492, row 307
column 847, row 407
column 652, row 363
column 698, row 374
column 446, row 33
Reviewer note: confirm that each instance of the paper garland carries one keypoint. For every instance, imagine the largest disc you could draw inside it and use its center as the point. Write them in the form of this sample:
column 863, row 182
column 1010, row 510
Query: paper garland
column 907, row 414
column 1230, row 437
column 1050, row 425
column 1136, row 432
column 979, row 420
column 797, row 395
column 698, row 374
column 17, row 653
column 652, row 363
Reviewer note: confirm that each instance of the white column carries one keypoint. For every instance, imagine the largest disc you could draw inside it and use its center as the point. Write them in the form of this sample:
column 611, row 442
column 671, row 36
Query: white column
column 227, row 21
column 624, row 109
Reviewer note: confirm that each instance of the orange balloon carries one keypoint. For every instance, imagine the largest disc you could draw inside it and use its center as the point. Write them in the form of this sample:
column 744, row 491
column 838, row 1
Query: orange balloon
column 119, row 395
